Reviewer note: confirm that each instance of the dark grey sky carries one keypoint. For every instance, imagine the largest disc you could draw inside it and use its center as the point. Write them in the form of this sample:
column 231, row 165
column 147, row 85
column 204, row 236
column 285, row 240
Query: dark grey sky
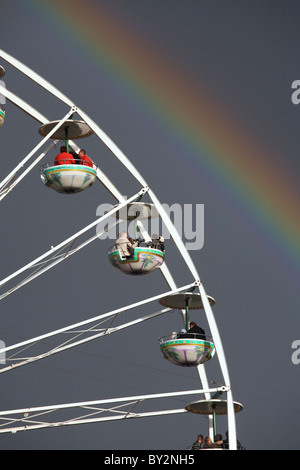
column 246, row 55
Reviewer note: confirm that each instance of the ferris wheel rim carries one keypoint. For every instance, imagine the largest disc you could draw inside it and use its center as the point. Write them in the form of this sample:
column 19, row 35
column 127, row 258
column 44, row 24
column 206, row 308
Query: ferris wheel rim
column 178, row 242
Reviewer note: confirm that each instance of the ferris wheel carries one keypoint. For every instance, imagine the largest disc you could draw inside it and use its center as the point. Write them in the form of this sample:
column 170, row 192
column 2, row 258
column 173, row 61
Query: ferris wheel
column 72, row 173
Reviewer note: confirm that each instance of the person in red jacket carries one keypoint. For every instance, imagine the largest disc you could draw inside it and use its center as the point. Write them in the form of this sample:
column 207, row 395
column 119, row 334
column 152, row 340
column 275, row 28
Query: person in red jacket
column 64, row 158
column 84, row 159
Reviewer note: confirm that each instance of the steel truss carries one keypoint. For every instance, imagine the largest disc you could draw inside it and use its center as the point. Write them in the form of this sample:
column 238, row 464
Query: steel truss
column 124, row 408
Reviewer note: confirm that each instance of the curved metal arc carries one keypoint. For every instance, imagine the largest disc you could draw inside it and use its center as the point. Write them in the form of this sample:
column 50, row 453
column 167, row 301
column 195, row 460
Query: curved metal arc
column 51, row 89
column 38, row 116
column 131, row 168
column 223, row 364
column 107, row 141
column 99, row 132
column 111, row 188
column 187, row 258
column 113, row 147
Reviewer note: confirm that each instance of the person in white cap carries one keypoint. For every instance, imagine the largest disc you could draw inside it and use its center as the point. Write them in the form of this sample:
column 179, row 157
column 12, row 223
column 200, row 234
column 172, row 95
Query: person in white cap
column 125, row 247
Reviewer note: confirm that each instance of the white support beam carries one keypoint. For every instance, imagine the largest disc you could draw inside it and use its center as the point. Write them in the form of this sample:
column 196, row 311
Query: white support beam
column 91, row 320
column 51, row 262
column 11, row 185
column 74, row 421
column 66, row 345
column 29, row 415
column 107, row 401
column 204, row 382
column 111, row 188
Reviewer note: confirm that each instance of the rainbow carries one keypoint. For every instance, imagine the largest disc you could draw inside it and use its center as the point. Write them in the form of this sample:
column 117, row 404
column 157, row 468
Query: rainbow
column 215, row 146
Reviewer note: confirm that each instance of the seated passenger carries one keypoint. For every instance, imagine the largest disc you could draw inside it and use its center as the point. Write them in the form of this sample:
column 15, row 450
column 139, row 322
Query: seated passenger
column 125, row 246
column 141, row 241
column 197, row 445
column 64, row 158
column 194, row 331
column 84, row 159
column 226, row 443
column 218, row 442
column 75, row 156
column 161, row 243
column 207, row 443
column 197, row 331
column 157, row 242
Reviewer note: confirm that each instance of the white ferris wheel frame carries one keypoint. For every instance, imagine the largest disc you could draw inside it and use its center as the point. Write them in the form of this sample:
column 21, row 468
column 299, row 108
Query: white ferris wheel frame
column 28, row 417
